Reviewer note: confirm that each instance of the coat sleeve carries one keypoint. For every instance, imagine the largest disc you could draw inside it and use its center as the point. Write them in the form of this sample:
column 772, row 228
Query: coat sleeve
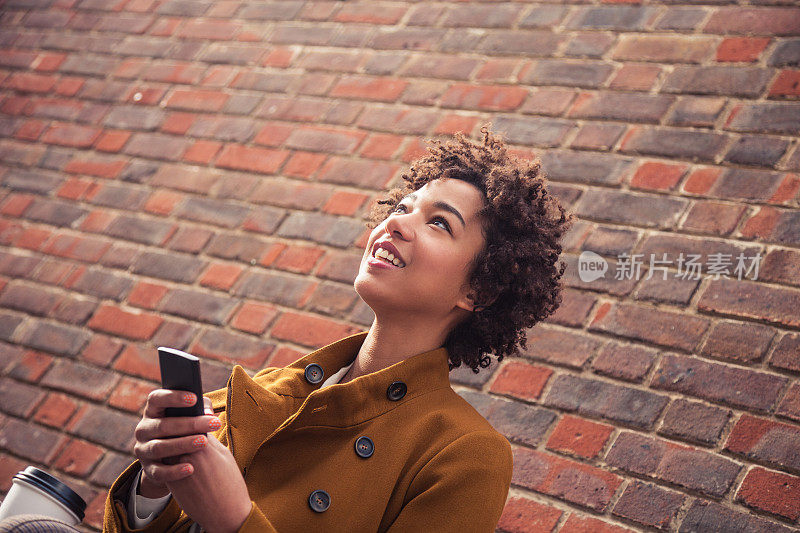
column 462, row 488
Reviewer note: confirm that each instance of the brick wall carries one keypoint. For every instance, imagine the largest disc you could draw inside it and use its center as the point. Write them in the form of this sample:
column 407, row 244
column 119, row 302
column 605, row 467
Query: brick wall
column 193, row 173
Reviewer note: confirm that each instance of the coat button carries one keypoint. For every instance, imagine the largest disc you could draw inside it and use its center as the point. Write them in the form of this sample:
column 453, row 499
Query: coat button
column 396, row 391
column 364, row 447
column 314, row 373
column 319, row 501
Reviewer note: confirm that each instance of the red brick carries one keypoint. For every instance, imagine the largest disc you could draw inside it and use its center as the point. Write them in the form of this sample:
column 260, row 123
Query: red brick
column 284, row 356
column 761, row 224
column 701, row 180
column 522, row 515
column 30, row 130
column 364, row 12
column 497, row 70
column 787, row 84
column 221, row 276
column 197, row 100
column 452, row 124
column 301, row 259
column 766, row 441
column 658, row 176
column 137, row 326
column 521, row 380
column 55, row 410
column 635, row 77
column 361, row 87
column 139, row 361
column 102, row 167
column 344, row 203
column 30, row 82
column 254, row 318
column 202, row 152
column 663, row 48
column 101, row 350
column 303, row 164
column 580, row 437
column 261, row 160
column 68, row 86
column 130, row 394
column 309, row 330
column 744, row 49
column 78, row 458
column 790, row 405
column 773, row 492
column 146, row 295
column 16, row 204
column 713, row 217
column 32, row 366
column 97, row 221
column 787, row 191
column 279, row 57
column 214, row 30
column 381, row 146
column 177, row 123
column 9, row 467
column 112, row 141
column 71, row 135
column 163, row 202
column 585, row 524
column 32, row 238
column 485, row 98
column 561, row 478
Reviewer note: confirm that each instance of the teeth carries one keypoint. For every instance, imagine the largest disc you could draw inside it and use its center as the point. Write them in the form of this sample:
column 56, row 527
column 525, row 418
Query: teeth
column 388, row 256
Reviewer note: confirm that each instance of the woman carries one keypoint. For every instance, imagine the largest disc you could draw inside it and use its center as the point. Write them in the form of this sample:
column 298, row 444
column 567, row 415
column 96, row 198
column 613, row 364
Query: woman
column 366, row 434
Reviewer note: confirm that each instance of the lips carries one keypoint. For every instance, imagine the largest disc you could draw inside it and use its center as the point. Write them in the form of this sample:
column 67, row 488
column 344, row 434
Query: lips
column 389, row 247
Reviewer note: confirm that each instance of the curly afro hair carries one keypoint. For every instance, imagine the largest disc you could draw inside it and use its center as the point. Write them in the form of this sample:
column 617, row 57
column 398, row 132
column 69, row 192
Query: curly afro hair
column 515, row 280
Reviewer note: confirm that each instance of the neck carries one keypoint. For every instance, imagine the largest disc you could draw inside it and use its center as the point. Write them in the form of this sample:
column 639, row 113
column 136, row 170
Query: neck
column 389, row 343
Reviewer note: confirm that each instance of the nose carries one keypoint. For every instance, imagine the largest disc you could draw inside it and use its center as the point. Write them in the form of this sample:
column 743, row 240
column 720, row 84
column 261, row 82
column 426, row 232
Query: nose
column 400, row 225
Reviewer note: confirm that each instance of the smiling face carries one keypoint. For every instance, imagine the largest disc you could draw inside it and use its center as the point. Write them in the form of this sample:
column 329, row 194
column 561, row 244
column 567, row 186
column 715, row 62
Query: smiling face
column 434, row 235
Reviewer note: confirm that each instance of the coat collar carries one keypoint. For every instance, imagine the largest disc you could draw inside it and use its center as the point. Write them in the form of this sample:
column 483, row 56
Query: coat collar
column 253, row 419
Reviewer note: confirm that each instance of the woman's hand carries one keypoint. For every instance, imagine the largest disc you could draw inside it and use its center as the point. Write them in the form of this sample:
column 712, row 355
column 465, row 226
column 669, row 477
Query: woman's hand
column 159, row 437
column 215, row 495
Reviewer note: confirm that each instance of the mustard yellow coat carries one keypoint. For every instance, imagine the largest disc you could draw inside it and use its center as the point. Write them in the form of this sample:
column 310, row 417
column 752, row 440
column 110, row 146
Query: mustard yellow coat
column 436, row 463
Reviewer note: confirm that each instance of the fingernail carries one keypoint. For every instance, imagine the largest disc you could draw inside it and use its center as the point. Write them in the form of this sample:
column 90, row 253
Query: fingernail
column 199, row 442
column 189, row 399
column 215, row 424
column 186, row 469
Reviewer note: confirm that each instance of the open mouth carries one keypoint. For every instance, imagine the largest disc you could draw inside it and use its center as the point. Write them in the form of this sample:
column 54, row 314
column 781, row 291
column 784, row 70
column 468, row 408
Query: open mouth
column 388, row 254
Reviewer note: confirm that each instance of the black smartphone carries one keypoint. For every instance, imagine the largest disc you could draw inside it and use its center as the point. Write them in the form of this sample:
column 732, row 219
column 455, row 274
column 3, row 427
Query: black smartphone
column 181, row 371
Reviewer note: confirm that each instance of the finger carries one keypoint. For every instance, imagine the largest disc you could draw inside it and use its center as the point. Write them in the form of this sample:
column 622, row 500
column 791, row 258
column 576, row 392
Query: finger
column 161, row 473
column 159, row 399
column 178, row 426
column 158, row 449
column 209, row 408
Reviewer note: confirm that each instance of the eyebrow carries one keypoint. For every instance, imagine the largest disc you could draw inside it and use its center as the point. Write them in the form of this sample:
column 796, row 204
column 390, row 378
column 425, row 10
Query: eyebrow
column 441, row 205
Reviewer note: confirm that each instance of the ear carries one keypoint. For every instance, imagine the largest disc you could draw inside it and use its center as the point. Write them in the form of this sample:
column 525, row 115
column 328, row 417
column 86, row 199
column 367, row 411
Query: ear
column 467, row 303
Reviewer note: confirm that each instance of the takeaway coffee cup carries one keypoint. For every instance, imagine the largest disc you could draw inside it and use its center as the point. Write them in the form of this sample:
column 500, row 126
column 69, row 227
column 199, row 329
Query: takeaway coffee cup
column 36, row 492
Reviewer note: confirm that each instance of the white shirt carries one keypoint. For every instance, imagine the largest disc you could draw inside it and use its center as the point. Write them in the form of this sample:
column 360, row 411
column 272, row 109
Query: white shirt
column 142, row 510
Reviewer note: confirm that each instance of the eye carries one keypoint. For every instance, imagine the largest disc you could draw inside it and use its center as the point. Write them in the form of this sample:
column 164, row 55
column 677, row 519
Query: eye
column 399, row 206
column 445, row 225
